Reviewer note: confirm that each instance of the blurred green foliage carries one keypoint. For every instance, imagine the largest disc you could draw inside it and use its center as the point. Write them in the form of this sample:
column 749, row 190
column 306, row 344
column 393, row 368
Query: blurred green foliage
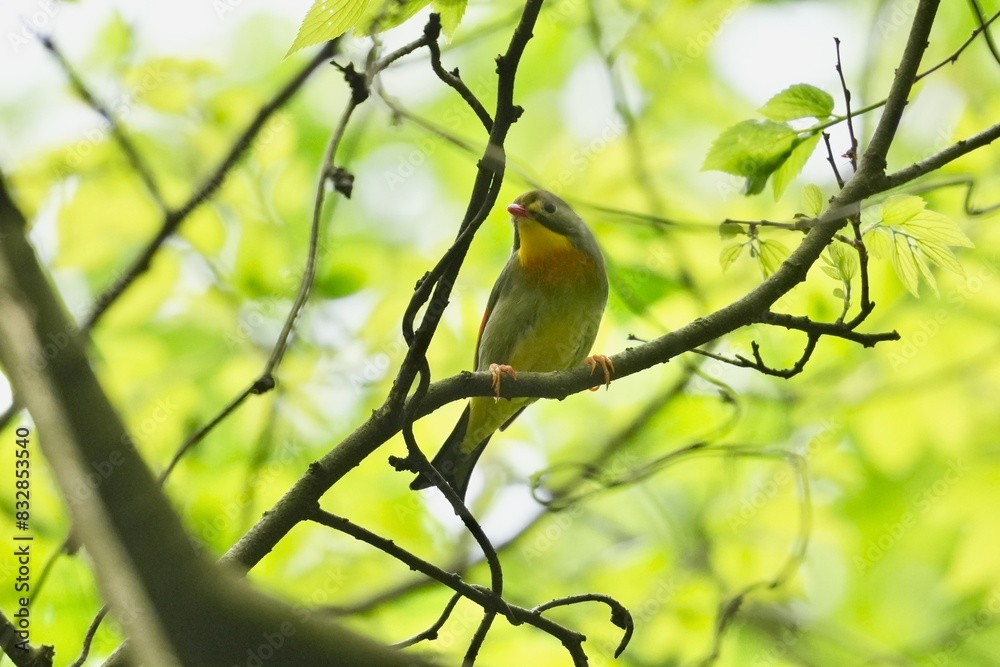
column 622, row 104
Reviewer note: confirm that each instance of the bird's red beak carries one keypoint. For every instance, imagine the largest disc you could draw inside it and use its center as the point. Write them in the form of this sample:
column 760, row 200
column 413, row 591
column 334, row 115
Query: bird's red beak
column 517, row 211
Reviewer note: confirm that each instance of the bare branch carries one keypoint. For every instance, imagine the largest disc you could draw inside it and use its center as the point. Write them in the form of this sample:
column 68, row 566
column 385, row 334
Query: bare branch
column 126, row 145
column 453, row 79
column 941, row 158
column 172, row 219
column 852, row 152
column 22, row 655
column 873, row 161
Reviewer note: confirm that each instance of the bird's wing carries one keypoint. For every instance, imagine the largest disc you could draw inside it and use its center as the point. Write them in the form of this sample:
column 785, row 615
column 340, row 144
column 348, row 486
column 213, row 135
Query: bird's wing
column 518, row 316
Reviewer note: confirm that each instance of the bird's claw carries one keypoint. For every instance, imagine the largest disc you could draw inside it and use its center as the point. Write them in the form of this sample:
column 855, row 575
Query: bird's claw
column 497, row 370
column 604, row 362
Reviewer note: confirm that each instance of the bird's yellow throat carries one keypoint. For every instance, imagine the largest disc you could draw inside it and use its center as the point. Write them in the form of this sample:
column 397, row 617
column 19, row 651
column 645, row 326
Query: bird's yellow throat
column 539, row 244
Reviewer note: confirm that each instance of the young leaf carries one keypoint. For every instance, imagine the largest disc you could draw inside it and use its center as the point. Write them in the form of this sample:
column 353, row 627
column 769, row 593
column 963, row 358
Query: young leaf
column 381, row 15
column 729, row 254
column 326, row 20
column 451, row 12
column 752, row 149
column 897, row 210
column 728, row 230
column 905, row 263
column 878, row 240
column 771, row 255
column 844, row 259
column 791, row 167
column 812, row 200
column 914, row 238
column 799, row 101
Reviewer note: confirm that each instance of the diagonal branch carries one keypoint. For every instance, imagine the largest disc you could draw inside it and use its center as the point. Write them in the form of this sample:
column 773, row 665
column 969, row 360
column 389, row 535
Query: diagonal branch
column 172, row 219
column 873, row 161
column 943, row 157
column 387, row 420
column 126, row 145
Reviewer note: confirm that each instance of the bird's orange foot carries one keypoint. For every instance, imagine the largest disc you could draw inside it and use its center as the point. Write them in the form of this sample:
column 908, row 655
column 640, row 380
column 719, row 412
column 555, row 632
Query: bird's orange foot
column 497, row 370
column 596, row 360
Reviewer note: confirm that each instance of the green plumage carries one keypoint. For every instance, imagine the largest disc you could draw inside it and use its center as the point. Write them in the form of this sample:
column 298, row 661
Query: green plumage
column 542, row 315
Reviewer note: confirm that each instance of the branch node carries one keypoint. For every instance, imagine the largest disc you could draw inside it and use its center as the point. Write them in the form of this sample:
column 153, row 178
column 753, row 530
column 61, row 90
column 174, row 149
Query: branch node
column 342, row 181
column 264, row 384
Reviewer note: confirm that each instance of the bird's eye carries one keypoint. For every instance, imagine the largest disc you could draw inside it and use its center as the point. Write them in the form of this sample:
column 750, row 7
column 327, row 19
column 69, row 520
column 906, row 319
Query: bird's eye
column 549, row 207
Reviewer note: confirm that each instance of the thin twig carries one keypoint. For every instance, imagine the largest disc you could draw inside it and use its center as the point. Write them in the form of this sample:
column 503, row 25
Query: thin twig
column 126, row 145
column 88, row 639
column 477, row 594
column 852, row 153
column 453, row 80
column 431, row 632
column 981, row 18
column 867, row 305
column 953, row 58
column 620, row 616
column 202, row 432
column 832, row 160
column 172, row 219
column 809, row 326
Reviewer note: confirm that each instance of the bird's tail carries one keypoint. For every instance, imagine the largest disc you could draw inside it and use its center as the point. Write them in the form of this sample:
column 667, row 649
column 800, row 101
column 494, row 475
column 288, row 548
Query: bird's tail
column 452, row 461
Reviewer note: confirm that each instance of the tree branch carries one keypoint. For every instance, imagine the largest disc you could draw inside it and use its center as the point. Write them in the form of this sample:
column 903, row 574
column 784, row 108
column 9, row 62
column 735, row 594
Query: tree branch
column 387, row 420
column 172, row 599
column 941, row 158
column 126, row 145
column 172, row 219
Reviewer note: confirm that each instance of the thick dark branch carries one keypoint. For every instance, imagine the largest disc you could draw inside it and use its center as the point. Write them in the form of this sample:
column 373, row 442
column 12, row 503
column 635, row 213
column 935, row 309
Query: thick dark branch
column 835, row 329
column 873, row 161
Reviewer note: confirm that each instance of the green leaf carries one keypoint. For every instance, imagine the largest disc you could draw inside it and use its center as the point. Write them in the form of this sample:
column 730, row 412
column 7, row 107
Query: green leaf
column 382, row 15
column 770, row 256
column 812, row 200
column 728, row 230
column 905, row 263
column 752, row 149
column 451, row 12
column 326, row 20
column 843, row 259
column 878, row 240
column 942, row 256
column 799, row 101
column 831, row 271
column 791, row 167
column 115, row 40
column 897, row 210
column 729, row 254
column 932, row 226
column 915, row 238
column 339, row 281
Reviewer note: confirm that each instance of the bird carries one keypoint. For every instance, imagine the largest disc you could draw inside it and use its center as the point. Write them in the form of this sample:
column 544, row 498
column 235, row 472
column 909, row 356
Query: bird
column 542, row 315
